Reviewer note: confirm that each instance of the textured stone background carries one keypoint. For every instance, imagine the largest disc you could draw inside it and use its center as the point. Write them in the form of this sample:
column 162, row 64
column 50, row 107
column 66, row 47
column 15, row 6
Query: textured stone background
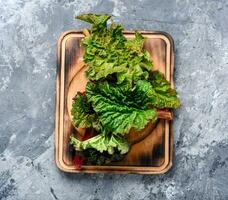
column 29, row 30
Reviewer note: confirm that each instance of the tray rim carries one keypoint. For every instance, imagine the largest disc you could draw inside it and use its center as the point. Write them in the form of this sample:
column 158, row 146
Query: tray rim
column 115, row 169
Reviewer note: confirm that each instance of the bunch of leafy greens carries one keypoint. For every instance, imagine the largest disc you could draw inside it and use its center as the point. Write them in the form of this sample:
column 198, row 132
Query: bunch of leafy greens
column 122, row 92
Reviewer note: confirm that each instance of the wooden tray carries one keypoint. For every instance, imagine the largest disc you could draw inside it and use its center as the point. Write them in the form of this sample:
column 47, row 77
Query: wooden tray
column 152, row 155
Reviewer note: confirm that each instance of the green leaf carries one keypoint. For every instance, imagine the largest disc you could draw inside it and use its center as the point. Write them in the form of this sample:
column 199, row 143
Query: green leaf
column 108, row 52
column 119, row 110
column 122, row 93
column 83, row 114
column 159, row 91
column 98, row 21
column 102, row 143
column 136, row 44
column 104, row 69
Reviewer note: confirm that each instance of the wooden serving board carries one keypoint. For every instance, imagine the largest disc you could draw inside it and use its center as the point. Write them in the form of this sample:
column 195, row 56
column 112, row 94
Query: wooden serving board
column 151, row 154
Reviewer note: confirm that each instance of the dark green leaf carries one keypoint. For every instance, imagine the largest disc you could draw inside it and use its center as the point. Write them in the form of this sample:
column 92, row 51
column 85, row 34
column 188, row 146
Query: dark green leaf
column 83, row 114
column 92, row 156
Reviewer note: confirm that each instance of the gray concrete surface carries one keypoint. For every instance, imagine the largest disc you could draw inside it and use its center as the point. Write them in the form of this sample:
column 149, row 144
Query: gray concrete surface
column 28, row 33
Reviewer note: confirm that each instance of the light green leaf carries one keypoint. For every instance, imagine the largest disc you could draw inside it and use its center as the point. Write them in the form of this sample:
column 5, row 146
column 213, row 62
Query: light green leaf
column 101, row 143
column 136, row 44
column 108, row 52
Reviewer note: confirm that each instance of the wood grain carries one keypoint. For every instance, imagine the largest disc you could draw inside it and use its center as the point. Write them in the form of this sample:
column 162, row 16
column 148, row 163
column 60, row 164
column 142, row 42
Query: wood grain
column 151, row 150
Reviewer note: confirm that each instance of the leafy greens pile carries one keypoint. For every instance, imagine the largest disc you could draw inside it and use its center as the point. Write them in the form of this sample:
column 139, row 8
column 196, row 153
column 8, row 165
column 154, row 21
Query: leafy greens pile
column 122, row 92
